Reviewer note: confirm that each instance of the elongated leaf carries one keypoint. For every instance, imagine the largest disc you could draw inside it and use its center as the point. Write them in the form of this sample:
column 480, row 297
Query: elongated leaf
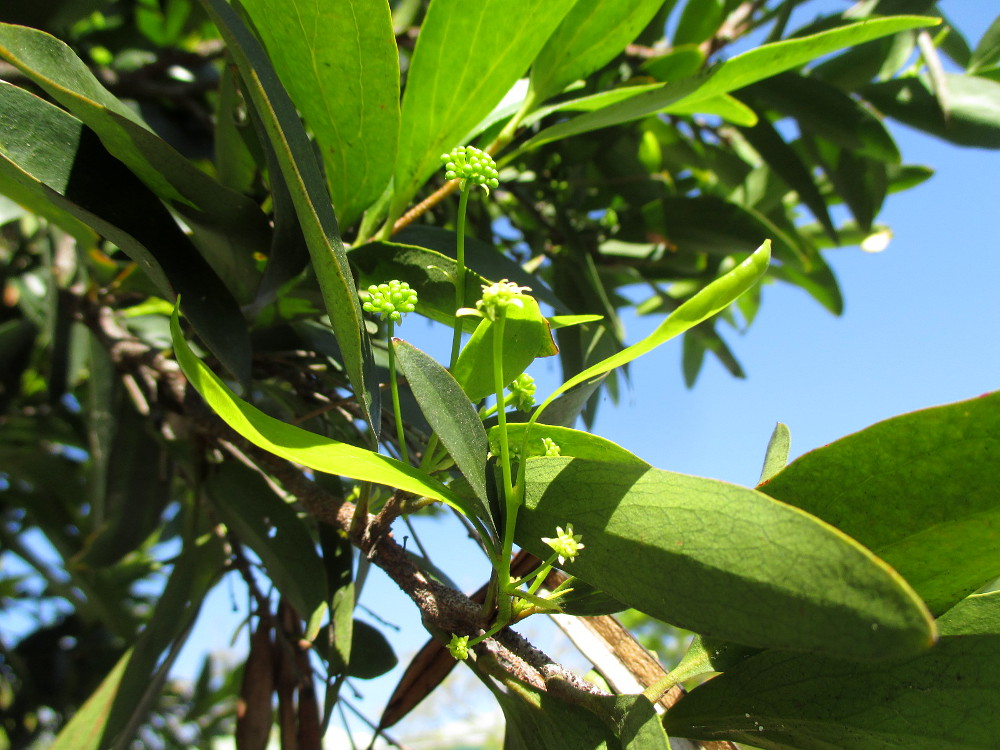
column 699, row 20
column 229, row 227
column 715, row 297
column 452, row 416
column 271, row 528
column 465, row 60
column 722, row 560
column 742, row 70
column 974, row 117
column 941, row 700
column 50, row 155
column 894, row 487
column 301, row 446
column 987, row 51
column 571, row 442
column 591, row 34
column 339, row 63
column 526, row 337
column 305, row 182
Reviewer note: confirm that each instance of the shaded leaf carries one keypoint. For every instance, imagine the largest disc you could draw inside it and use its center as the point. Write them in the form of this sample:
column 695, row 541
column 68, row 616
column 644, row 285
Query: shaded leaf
column 305, row 182
column 85, row 728
column 50, row 155
column 941, row 699
column 339, row 64
column 273, row 530
column 371, row 653
column 894, row 487
column 722, row 560
column 452, row 417
column 571, row 443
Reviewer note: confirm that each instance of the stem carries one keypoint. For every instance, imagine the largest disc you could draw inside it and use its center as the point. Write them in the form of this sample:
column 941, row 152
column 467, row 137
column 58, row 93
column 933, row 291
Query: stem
column 456, row 341
column 394, row 388
column 510, row 501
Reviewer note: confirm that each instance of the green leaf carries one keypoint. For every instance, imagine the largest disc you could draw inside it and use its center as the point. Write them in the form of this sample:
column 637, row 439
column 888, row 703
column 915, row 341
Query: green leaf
column 974, row 116
column 571, row 442
column 894, row 487
column 84, row 730
column 722, row 560
column 713, row 298
column 228, row 226
column 941, row 700
column 298, row 445
column 452, row 417
column 305, row 182
column 583, row 600
column 273, row 530
column 742, row 70
column 526, row 337
column 777, row 452
column 987, row 51
column 591, row 34
column 461, row 68
column 699, row 20
column 339, row 64
column 51, row 156
column 371, row 653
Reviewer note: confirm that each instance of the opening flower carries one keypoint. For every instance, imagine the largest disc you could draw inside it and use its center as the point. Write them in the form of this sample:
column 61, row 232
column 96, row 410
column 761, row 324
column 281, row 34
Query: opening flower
column 470, row 164
column 501, row 295
column 566, row 544
column 391, row 300
column 459, row 647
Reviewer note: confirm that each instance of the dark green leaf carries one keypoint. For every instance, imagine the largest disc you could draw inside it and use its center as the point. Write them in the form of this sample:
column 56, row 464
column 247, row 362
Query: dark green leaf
column 269, row 526
column 894, row 487
column 338, row 62
column 461, row 69
column 52, row 156
column 584, row 600
column 699, row 20
column 974, row 115
column 371, row 653
column 941, row 700
column 228, row 226
column 722, row 560
column 305, row 182
column 451, row 415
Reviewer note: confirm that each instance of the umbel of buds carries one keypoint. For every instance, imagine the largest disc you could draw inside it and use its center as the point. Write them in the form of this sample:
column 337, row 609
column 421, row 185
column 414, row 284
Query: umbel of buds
column 391, row 300
column 469, row 164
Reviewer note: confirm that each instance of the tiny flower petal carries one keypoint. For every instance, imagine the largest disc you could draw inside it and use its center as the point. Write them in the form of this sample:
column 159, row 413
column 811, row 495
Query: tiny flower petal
column 565, row 544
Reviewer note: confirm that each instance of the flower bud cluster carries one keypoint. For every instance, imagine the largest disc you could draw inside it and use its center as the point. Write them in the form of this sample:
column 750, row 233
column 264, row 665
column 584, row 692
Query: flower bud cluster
column 391, row 300
column 523, row 391
column 551, row 448
column 459, row 647
column 499, row 296
column 469, row 164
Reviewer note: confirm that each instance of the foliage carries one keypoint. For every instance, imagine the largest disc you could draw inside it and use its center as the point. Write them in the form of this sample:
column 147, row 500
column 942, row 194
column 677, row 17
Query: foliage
column 192, row 194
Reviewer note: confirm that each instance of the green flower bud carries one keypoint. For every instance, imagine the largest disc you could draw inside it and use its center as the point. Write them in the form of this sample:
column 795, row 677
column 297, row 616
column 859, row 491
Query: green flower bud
column 551, row 449
column 523, row 390
column 391, row 300
column 469, row 164
column 459, row 647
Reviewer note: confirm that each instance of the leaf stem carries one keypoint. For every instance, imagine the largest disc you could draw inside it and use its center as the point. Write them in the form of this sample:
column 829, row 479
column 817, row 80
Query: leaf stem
column 394, row 388
column 456, row 341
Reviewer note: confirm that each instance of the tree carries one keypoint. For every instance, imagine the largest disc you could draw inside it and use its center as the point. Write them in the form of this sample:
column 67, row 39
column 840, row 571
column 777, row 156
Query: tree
column 193, row 386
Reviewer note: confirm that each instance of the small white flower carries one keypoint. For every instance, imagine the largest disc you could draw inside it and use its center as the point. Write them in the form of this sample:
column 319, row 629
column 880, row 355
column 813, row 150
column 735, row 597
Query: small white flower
column 566, row 544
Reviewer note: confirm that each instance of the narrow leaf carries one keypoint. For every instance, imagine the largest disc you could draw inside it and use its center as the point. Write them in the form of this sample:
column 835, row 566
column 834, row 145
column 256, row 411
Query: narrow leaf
column 571, row 443
column 452, row 417
column 941, row 700
column 339, row 64
column 84, row 730
column 305, row 182
column 301, row 446
column 987, row 51
column 464, row 62
column 893, row 487
column 742, row 70
column 722, row 560
column 715, row 297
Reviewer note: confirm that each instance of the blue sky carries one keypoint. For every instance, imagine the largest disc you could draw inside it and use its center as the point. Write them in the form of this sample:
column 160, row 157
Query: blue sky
column 920, row 328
